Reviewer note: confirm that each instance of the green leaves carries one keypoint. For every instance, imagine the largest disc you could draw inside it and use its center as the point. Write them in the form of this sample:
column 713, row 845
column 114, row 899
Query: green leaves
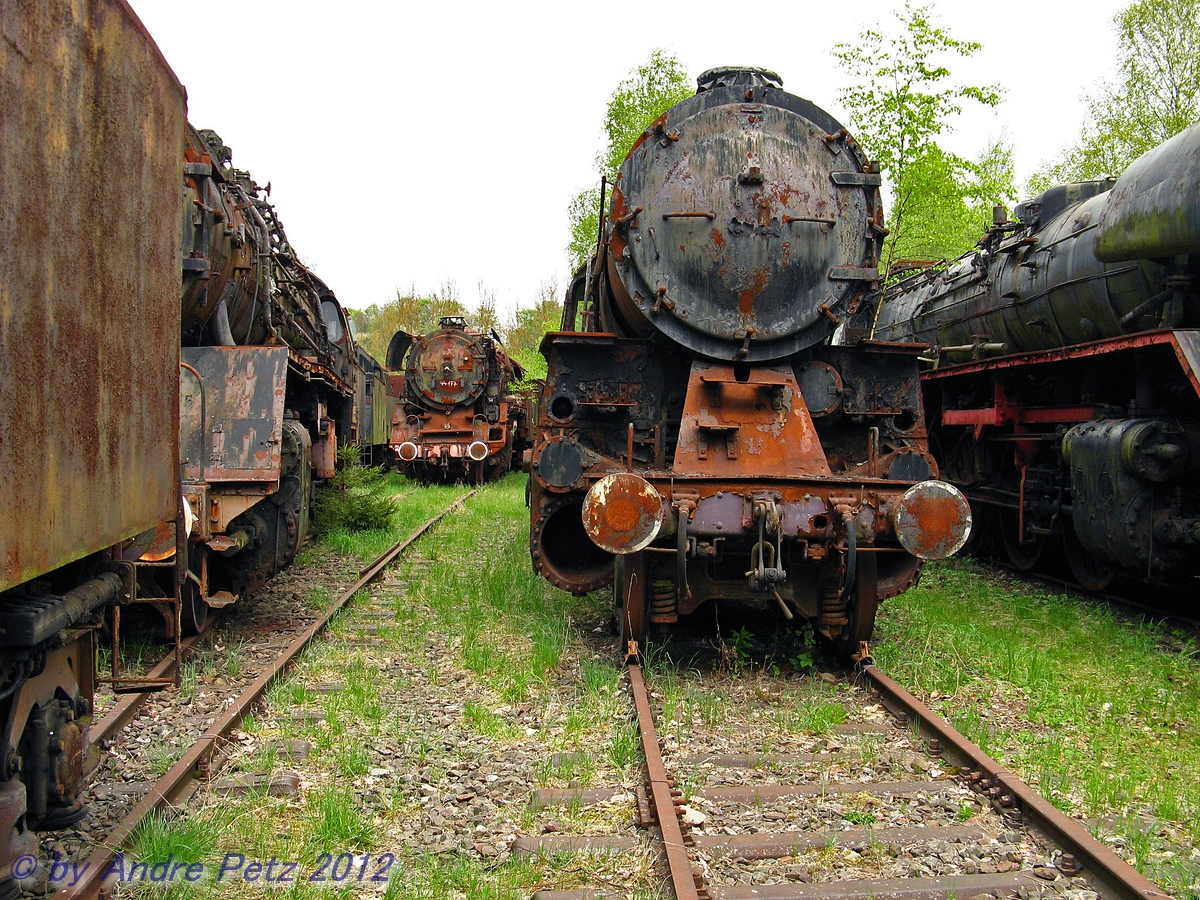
column 902, row 98
column 1156, row 93
column 641, row 97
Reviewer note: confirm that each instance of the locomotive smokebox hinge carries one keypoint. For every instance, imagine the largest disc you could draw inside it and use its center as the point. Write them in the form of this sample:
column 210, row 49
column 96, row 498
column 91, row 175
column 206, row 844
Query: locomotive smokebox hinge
column 751, row 175
column 834, row 141
column 665, row 137
column 629, row 220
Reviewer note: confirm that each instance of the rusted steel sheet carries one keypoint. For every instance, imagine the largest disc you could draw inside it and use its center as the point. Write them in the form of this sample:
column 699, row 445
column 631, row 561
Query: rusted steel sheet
column 90, row 206
column 758, row 424
column 932, row 520
column 623, row 513
column 1154, row 209
column 232, row 416
column 1062, row 354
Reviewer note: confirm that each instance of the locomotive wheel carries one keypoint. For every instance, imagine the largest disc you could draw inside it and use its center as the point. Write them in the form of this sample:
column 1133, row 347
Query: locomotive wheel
column 862, row 611
column 193, row 611
column 1023, row 556
column 629, row 598
column 1086, row 567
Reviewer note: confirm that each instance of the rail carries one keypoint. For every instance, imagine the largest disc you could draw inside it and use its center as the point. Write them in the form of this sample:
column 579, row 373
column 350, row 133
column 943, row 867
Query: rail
column 1021, row 807
column 203, row 757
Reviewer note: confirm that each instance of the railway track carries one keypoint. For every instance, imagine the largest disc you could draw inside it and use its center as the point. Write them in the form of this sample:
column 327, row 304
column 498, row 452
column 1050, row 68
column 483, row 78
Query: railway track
column 206, row 754
column 896, row 806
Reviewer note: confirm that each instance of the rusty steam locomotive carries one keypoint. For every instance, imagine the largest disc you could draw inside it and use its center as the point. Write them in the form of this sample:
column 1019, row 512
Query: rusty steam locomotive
column 460, row 419
column 1065, row 397
column 701, row 438
column 150, row 453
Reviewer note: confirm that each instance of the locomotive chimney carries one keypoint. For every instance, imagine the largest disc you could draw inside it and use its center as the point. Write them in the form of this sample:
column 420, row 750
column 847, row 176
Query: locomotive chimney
column 750, row 77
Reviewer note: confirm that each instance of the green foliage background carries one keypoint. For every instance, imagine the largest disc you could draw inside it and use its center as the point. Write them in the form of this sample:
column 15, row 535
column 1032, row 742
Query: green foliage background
column 902, row 100
column 1154, row 95
column 641, row 97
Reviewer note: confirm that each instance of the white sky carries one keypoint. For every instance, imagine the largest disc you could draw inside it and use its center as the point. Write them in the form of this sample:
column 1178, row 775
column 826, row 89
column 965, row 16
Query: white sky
column 408, row 143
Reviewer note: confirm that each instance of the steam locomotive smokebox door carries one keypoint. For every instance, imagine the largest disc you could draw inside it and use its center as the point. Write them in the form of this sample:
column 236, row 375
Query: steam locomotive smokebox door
column 231, row 420
column 739, row 230
column 448, row 368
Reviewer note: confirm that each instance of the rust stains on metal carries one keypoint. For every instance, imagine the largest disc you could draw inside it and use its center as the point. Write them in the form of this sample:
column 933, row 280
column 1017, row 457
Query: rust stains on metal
column 89, row 307
column 661, row 791
column 622, row 513
column 932, row 520
column 748, row 295
column 754, row 425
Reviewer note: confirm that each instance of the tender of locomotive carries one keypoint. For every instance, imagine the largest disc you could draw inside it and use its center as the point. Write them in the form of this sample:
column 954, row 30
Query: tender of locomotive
column 701, row 438
column 150, row 453
column 89, row 361
column 459, row 419
column 1066, row 395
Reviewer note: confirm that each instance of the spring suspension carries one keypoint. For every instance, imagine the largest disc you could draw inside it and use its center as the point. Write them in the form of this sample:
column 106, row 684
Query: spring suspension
column 834, row 609
column 664, row 602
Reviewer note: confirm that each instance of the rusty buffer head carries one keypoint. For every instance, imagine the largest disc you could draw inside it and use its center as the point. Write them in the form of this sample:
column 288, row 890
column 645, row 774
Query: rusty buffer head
column 448, row 367
column 622, row 513
column 744, row 222
column 932, row 520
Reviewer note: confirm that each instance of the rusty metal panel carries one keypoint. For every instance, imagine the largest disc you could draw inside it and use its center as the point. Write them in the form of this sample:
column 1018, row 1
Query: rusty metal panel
column 239, row 398
column 91, row 144
column 758, row 425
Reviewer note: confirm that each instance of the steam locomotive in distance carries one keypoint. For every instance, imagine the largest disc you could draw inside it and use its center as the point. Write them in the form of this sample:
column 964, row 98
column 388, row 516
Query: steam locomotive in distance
column 459, row 419
column 1065, row 398
column 700, row 438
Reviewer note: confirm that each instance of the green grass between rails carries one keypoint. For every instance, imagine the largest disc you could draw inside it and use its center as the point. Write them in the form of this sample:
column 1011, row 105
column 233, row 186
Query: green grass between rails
column 504, row 638
column 1099, row 709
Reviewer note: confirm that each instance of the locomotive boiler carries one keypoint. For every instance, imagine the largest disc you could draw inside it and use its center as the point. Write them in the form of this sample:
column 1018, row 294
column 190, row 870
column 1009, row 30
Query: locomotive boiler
column 459, row 419
column 269, row 373
column 700, row 436
column 1064, row 397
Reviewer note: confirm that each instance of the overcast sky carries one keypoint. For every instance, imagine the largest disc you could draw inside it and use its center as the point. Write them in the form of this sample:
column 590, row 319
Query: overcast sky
column 410, row 143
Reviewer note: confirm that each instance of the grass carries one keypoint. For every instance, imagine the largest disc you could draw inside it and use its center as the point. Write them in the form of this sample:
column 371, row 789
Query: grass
column 1098, row 712
column 1095, row 708
column 508, row 653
